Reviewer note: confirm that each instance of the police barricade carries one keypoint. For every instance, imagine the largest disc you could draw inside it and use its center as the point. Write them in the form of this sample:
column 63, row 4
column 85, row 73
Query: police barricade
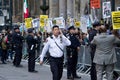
column 117, row 64
column 24, row 51
column 84, row 60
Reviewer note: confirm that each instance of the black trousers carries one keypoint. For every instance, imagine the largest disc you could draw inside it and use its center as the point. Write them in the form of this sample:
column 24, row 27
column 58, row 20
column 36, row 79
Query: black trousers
column 56, row 66
column 31, row 61
column 18, row 56
column 93, row 69
column 4, row 55
column 72, row 64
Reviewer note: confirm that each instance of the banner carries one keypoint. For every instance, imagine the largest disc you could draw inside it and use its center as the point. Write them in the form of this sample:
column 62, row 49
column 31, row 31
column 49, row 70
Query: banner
column 77, row 24
column 28, row 22
column 59, row 21
column 116, row 19
column 84, row 24
column 70, row 21
column 42, row 20
column 36, row 23
column 49, row 24
column 95, row 3
column 106, row 9
column 22, row 27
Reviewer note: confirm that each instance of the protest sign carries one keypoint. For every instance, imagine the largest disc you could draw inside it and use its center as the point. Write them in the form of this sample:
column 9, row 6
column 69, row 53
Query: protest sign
column 59, row 21
column 106, row 9
column 77, row 24
column 36, row 23
column 28, row 22
column 83, row 26
column 49, row 25
column 116, row 19
column 95, row 3
column 42, row 20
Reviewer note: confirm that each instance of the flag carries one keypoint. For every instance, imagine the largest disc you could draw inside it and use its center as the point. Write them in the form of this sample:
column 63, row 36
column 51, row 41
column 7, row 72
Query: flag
column 25, row 7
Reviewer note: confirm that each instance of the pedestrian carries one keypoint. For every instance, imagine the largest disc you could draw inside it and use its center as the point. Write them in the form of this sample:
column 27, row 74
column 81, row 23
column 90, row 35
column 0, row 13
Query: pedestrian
column 39, row 40
column 55, row 44
column 17, row 41
column 4, row 48
column 105, row 56
column 92, row 33
column 72, row 54
column 31, row 42
column 9, row 43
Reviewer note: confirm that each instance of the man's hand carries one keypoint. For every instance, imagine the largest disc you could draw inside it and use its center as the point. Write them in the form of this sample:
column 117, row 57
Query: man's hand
column 61, row 32
column 41, row 62
column 78, row 48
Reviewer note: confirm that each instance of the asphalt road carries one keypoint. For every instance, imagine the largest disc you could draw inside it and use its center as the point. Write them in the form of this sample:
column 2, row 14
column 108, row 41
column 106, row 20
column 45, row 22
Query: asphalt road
column 9, row 72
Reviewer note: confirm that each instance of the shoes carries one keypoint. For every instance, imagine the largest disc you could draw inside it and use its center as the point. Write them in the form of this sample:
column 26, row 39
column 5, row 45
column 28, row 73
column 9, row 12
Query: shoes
column 69, row 77
column 34, row 71
column 18, row 66
column 4, row 63
column 77, row 77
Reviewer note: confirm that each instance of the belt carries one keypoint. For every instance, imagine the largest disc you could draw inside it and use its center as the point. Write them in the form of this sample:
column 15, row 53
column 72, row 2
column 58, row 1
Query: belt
column 57, row 57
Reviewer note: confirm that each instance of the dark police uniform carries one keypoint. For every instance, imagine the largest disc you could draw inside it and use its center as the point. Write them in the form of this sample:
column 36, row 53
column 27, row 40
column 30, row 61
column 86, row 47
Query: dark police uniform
column 92, row 34
column 17, row 41
column 72, row 55
column 31, row 41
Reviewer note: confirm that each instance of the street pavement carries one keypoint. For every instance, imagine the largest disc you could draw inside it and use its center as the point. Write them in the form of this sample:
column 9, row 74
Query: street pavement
column 9, row 72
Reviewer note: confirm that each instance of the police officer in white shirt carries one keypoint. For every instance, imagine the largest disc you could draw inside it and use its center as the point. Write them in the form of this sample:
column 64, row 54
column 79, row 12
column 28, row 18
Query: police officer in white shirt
column 55, row 44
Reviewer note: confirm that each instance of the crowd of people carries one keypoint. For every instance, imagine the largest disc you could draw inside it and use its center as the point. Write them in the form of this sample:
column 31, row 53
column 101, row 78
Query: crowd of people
column 101, row 39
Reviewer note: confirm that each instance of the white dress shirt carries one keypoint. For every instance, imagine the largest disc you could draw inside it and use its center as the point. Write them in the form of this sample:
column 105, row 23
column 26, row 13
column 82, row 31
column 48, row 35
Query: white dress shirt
column 54, row 50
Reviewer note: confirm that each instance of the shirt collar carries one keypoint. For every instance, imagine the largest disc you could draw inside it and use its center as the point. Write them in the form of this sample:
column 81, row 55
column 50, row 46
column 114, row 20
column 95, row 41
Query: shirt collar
column 55, row 37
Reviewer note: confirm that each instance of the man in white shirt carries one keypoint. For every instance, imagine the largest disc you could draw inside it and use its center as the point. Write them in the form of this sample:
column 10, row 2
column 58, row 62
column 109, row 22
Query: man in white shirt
column 55, row 44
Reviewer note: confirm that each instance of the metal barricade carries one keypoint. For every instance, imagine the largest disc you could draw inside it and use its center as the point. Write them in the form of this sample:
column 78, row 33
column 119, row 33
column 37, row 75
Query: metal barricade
column 84, row 60
column 117, row 64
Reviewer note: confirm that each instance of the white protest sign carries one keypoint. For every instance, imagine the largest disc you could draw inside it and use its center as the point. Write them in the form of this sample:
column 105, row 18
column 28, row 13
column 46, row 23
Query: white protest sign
column 106, row 9
column 49, row 25
column 59, row 21
column 36, row 23
column 84, row 24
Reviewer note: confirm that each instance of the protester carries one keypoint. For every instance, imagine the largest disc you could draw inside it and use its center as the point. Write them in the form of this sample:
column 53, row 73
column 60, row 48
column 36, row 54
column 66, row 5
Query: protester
column 92, row 33
column 4, row 48
column 105, row 56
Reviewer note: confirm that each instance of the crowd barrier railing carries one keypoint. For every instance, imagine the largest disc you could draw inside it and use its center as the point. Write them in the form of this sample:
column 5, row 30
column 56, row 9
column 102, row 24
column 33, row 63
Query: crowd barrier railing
column 84, row 58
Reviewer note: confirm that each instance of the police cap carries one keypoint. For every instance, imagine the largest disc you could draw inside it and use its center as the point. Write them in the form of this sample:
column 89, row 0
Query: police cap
column 16, row 27
column 71, row 27
column 95, row 24
column 30, row 30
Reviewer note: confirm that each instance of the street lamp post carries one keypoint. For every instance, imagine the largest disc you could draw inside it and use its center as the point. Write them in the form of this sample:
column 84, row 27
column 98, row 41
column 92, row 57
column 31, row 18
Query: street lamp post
column 10, row 13
column 44, row 7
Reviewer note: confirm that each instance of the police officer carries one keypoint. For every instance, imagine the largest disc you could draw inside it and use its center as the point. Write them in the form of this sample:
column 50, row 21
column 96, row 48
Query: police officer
column 31, row 41
column 92, row 34
column 17, row 41
column 55, row 44
column 72, row 54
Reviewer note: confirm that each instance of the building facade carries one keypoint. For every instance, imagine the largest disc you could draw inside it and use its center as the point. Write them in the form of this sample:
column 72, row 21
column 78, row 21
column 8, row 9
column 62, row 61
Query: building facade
column 53, row 8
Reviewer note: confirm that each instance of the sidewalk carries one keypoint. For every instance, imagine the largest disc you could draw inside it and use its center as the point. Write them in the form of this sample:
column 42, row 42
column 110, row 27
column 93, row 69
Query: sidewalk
column 9, row 72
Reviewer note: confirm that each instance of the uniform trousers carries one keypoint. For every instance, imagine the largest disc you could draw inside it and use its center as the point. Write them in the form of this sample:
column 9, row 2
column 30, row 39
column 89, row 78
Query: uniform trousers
column 31, row 61
column 72, row 64
column 108, row 69
column 18, row 56
column 56, row 66
column 4, row 55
